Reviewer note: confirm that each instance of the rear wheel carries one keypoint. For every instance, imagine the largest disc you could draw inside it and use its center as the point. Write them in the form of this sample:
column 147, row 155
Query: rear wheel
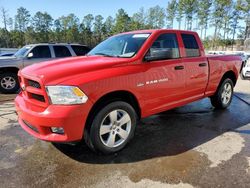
column 112, row 128
column 223, row 97
column 8, row 83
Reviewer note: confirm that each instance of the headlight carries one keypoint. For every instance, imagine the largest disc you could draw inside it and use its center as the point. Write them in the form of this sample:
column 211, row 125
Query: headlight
column 66, row 95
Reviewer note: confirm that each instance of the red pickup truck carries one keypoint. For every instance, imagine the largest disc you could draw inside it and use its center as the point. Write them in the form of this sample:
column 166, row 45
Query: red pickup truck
column 100, row 97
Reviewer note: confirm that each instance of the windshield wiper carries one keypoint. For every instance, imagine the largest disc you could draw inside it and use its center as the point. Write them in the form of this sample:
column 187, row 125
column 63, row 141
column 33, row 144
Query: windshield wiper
column 105, row 55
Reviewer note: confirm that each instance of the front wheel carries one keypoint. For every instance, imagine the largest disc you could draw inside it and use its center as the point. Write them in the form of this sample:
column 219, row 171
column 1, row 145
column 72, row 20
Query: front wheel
column 223, row 97
column 8, row 82
column 112, row 127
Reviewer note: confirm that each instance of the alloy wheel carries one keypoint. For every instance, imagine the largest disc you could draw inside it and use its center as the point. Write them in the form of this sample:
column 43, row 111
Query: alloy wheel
column 226, row 93
column 115, row 128
column 8, row 82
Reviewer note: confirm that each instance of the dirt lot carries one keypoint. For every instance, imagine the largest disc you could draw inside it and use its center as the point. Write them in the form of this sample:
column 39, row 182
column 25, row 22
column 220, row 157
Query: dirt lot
column 191, row 146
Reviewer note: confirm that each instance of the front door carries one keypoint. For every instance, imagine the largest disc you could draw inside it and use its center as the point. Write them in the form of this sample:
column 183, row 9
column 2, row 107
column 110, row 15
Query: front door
column 37, row 54
column 165, row 78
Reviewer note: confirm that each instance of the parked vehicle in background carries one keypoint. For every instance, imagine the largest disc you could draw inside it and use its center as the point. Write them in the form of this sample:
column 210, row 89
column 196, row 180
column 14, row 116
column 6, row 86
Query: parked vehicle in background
column 8, row 51
column 6, row 54
column 242, row 54
column 244, row 57
column 30, row 54
column 246, row 70
column 216, row 52
column 99, row 97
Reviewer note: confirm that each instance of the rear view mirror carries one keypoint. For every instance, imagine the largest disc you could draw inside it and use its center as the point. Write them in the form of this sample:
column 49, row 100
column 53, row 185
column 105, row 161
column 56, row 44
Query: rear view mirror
column 158, row 54
column 30, row 55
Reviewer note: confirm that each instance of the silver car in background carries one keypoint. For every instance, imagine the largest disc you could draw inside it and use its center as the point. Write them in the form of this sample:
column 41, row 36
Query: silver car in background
column 30, row 54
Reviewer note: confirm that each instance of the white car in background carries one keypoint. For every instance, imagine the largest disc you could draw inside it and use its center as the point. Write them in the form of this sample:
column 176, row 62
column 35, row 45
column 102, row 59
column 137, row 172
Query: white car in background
column 245, row 56
column 246, row 69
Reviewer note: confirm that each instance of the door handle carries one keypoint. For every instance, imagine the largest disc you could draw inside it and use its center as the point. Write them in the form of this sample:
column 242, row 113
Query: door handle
column 179, row 67
column 202, row 64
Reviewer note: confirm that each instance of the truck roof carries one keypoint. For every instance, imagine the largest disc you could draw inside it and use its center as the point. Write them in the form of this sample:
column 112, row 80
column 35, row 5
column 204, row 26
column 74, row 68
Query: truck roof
column 54, row 43
column 159, row 30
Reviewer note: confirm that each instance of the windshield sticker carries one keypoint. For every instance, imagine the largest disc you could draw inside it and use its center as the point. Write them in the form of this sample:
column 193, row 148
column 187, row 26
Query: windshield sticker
column 140, row 35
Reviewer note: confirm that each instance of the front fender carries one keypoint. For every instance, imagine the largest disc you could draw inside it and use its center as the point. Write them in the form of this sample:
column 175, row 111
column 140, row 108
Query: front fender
column 11, row 64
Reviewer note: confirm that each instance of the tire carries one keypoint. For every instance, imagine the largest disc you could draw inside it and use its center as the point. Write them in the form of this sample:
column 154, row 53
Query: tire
column 9, row 83
column 224, row 95
column 107, row 133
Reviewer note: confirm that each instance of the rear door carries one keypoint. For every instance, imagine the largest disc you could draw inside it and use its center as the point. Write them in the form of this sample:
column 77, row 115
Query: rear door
column 61, row 51
column 196, row 66
column 164, row 79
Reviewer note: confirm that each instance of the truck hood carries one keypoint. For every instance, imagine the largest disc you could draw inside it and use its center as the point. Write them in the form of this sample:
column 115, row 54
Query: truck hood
column 55, row 71
column 9, row 61
column 7, row 58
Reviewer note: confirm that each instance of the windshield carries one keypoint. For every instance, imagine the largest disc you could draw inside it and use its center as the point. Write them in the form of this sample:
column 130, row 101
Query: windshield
column 22, row 51
column 126, row 45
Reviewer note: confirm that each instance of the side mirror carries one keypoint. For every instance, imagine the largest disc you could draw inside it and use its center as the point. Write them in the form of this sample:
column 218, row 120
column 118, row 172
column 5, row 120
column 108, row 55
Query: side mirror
column 30, row 55
column 155, row 54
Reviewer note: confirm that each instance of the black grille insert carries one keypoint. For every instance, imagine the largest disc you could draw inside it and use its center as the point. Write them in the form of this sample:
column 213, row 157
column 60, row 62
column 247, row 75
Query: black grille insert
column 38, row 97
column 34, row 84
column 30, row 126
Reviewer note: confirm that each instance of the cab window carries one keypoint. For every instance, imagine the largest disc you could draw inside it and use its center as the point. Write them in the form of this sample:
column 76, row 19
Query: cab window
column 41, row 52
column 80, row 50
column 191, row 45
column 164, row 47
column 61, row 51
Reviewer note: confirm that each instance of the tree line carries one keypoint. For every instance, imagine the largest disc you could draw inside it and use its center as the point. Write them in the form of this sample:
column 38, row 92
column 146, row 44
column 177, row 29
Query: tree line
column 229, row 19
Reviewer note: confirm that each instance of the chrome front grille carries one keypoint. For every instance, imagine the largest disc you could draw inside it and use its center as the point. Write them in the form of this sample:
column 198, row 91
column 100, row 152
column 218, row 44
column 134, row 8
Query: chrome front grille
column 33, row 90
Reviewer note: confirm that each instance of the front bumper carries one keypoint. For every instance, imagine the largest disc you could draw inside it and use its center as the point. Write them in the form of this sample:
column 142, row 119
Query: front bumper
column 38, row 121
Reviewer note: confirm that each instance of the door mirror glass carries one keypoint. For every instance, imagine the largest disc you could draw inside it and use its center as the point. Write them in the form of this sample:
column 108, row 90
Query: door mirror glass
column 164, row 47
column 30, row 55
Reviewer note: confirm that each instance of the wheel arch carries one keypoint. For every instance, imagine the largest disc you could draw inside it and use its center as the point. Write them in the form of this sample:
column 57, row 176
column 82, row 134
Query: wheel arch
column 9, row 69
column 229, row 74
column 216, row 99
column 121, row 95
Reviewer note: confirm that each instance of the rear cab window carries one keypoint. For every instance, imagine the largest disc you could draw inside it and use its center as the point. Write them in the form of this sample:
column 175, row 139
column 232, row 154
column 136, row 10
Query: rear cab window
column 191, row 45
column 80, row 50
column 61, row 51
